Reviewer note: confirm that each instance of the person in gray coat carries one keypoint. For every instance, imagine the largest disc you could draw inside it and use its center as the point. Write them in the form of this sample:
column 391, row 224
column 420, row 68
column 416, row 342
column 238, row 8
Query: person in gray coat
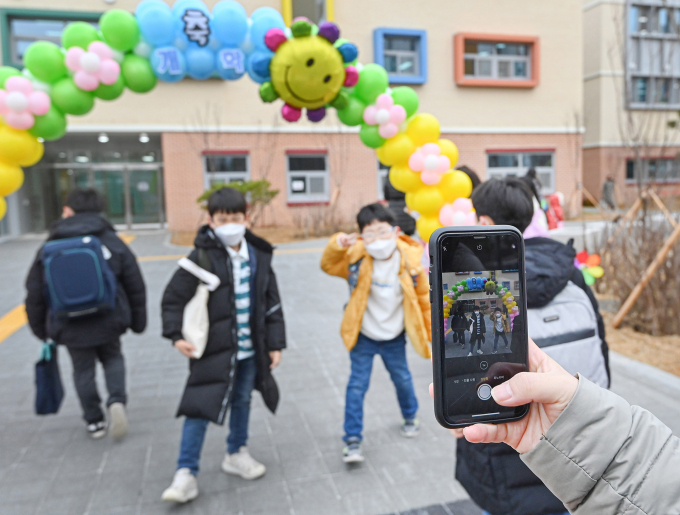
column 597, row 453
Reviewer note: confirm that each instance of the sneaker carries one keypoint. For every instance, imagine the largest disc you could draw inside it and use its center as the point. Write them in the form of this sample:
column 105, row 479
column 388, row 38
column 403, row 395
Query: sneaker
column 495, row 352
column 184, row 487
column 469, row 354
column 242, row 464
column 479, row 351
column 410, row 428
column 118, row 418
column 352, row 453
column 97, row 430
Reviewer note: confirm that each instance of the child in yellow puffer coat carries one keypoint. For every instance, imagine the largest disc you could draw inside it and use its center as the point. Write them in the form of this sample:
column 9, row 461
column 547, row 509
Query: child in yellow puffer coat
column 389, row 299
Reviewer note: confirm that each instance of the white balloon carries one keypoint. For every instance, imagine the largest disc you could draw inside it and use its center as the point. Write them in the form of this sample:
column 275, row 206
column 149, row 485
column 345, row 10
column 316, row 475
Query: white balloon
column 90, row 62
column 118, row 56
column 382, row 116
column 16, row 101
column 459, row 218
column 431, row 162
column 143, row 49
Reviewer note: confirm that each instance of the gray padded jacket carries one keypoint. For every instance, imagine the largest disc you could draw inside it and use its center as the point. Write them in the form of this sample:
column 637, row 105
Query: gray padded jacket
column 603, row 456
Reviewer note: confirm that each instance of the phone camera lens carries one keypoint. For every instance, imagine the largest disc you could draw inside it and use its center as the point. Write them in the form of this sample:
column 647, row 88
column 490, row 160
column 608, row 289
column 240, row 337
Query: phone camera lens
column 479, row 247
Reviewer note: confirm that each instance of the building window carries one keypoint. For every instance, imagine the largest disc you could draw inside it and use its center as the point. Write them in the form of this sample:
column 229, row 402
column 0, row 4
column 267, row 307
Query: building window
column 403, row 53
column 496, row 61
column 516, row 164
column 661, row 170
column 383, row 174
column 307, row 178
column 22, row 27
column 225, row 168
column 652, row 49
column 315, row 10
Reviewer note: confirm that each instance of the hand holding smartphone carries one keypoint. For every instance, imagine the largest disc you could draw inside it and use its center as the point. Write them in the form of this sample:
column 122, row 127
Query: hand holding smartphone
column 479, row 333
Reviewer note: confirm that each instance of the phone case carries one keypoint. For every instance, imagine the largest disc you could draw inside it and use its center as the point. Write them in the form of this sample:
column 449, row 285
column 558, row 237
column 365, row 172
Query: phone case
column 437, row 314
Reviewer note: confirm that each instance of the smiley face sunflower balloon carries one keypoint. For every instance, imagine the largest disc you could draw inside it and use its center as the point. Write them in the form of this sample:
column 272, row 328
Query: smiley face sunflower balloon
column 307, row 71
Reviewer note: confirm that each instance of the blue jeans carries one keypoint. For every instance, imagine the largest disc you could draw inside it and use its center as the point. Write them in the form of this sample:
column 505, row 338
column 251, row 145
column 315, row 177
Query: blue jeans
column 194, row 429
column 393, row 354
column 565, row 513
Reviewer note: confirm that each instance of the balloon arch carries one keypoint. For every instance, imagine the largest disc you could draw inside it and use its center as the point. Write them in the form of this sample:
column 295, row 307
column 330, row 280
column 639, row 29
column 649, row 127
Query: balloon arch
column 308, row 67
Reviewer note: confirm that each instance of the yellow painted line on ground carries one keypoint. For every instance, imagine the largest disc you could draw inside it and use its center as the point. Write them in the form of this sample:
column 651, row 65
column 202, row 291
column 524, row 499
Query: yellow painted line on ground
column 171, row 257
column 297, row 251
column 12, row 322
column 127, row 238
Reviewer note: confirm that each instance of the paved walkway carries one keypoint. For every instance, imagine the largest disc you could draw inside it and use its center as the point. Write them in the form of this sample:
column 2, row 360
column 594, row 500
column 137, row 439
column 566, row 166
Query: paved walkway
column 49, row 466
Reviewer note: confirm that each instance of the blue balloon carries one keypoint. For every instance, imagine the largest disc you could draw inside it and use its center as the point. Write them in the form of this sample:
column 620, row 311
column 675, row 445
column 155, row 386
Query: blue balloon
column 261, row 11
column 231, row 63
column 200, row 63
column 156, row 24
column 260, row 64
column 257, row 56
column 182, row 5
column 192, row 23
column 169, row 64
column 146, row 4
column 261, row 25
column 230, row 22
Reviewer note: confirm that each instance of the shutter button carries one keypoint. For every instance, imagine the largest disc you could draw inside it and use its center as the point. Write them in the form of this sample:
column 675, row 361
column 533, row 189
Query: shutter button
column 484, row 392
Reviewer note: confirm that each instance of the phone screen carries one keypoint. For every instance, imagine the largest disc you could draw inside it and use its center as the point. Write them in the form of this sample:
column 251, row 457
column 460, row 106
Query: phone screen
column 483, row 323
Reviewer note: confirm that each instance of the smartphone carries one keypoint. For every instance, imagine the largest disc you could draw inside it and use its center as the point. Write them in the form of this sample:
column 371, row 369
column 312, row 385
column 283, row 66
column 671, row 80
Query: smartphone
column 479, row 313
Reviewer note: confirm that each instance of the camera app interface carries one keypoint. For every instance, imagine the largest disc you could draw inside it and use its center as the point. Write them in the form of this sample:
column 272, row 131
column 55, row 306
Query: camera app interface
column 483, row 323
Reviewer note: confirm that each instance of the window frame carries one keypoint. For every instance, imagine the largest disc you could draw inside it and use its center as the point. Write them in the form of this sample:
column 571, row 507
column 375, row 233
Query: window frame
column 379, row 35
column 674, row 161
column 6, row 15
column 461, row 79
column 308, row 199
column 521, row 169
column 207, row 175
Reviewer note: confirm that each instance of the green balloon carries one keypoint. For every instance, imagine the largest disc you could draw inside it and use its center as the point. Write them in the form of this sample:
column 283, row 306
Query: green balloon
column 71, row 99
column 138, row 74
column 407, row 98
column 372, row 82
column 45, row 61
column 5, row 73
column 79, row 34
column 50, row 126
column 120, row 29
column 110, row 92
column 353, row 114
column 370, row 137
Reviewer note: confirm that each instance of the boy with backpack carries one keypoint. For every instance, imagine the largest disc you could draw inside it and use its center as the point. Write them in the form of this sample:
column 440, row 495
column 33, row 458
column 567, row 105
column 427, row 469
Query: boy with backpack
column 245, row 338
column 389, row 298
column 564, row 320
column 85, row 290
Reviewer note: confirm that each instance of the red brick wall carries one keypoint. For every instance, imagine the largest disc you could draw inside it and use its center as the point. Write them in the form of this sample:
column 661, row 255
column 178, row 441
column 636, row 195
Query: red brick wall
column 353, row 169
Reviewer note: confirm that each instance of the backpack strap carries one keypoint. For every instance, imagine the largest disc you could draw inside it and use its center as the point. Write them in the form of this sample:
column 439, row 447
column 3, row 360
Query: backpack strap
column 210, row 279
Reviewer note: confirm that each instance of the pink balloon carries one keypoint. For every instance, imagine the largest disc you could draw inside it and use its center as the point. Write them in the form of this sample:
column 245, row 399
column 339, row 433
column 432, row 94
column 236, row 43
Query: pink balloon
column 20, row 121
column 417, row 162
column 384, row 101
column 73, row 56
column 446, row 215
column 430, row 178
column 290, row 113
column 20, row 84
column 369, row 115
column 3, row 106
column 431, row 148
column 101, row 49
column 351, row 76
column 443, row 165
column 470, row 219
column 388, row 130
column 85, row 81
column 109, row 72
column 462, row 204
column 274, row 38
column 397, row 114
column 39, row 102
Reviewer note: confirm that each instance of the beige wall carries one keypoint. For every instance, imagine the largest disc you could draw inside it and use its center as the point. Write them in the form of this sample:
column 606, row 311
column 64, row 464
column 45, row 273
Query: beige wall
column 551, row 105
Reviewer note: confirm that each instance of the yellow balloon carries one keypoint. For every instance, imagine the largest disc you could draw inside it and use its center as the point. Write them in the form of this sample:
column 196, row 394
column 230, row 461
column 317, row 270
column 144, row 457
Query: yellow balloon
column 513, row 304
column 450, row 150
column 11, row 179
column 426, row 225
column 408, row 198
column 404, row 179
column 38, row 152
column 595, row 271
column 455, row 184
column 508, row 294
column 17, row 147
column 3, row 207
column 423, row 128
column 427, row 201
column 397, row 150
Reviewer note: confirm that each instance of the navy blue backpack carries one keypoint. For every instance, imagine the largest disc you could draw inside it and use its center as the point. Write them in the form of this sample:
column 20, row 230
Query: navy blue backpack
column 79, row 280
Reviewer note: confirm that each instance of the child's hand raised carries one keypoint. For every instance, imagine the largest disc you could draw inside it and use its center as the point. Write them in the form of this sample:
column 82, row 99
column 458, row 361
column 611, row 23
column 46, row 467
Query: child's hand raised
column 185, row 348
column 347, row 240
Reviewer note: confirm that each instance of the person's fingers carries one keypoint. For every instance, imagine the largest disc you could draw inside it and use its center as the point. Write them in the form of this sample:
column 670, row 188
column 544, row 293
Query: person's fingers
column 486, row 433
column 528, row 387
column 458, row 433
column 431, row 390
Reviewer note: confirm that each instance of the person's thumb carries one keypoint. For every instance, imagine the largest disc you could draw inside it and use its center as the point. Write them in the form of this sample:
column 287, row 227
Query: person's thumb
column 527, row 387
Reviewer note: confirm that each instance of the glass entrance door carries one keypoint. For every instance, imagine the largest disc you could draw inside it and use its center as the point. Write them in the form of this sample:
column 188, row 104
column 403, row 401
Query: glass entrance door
column 111, row 185
column 145, row 196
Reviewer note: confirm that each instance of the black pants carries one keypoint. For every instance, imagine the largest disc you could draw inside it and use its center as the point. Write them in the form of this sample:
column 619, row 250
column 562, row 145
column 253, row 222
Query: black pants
column 477, row 339
column 461, row 336
column 495, row 339
column 84, row 364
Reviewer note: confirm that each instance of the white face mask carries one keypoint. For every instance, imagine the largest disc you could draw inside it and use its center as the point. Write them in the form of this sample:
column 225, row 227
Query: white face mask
column 230, row 234
column 498, row 315
column 476, row 312
column 381, row 249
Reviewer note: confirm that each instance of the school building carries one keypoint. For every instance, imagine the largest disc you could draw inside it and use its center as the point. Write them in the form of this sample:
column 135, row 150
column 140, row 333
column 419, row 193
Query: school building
column 503, row 78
